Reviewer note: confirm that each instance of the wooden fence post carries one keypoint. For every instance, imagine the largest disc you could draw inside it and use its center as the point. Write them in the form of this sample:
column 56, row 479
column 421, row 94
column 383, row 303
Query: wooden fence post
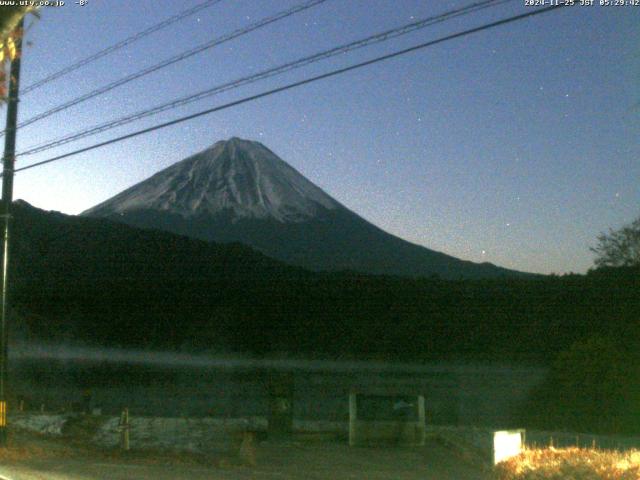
column 353, row 419
column 124, row 429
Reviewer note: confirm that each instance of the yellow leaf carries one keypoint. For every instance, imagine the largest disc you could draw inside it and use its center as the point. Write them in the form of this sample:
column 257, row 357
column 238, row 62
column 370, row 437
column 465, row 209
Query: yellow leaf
column 12, row 48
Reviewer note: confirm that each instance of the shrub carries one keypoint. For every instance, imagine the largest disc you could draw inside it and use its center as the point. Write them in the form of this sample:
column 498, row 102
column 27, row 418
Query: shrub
column 594, row 387
column 570, row 464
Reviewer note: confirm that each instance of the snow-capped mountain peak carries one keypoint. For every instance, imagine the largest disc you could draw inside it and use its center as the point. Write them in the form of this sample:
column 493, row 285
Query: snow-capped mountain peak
column 235, row 176
column 240, row 191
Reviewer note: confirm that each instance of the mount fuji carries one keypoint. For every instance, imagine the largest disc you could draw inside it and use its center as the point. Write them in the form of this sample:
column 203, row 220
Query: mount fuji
column 240, row 191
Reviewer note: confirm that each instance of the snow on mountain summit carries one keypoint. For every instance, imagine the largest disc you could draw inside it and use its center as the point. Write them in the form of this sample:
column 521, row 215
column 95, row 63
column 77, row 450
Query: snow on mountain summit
column 237, row 176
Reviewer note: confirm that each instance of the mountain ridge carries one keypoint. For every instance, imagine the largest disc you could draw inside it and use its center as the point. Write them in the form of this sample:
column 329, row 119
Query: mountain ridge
column 243, row 176
column 240, row 191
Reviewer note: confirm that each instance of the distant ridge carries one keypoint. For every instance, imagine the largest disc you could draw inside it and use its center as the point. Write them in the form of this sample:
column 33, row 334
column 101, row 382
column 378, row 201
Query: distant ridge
column 240, row 191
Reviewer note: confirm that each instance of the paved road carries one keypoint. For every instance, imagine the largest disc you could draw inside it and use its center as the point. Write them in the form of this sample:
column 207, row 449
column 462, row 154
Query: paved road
column 294, row 462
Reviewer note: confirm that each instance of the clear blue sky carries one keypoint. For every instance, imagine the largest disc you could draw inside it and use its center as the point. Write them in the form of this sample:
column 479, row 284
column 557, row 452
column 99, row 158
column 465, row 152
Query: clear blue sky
column 516, row 145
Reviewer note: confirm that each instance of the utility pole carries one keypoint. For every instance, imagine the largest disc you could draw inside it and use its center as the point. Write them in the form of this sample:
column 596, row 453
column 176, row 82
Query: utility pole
column 7, row 199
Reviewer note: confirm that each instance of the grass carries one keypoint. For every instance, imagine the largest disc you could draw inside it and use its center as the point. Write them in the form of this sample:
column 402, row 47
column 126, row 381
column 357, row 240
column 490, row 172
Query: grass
column 570, row 464
column 25, row 446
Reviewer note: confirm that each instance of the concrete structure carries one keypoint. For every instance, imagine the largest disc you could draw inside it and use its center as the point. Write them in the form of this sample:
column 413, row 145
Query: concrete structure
column 398, row 418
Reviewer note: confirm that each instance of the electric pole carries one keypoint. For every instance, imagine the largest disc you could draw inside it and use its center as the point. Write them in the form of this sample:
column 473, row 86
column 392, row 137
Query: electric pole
column 7, row 199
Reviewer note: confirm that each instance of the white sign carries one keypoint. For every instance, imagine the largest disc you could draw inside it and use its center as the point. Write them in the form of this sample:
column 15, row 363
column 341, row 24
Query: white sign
column 507, row 444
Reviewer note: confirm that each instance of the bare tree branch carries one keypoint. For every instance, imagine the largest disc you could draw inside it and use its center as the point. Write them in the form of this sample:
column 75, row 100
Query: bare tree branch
column 619, row 248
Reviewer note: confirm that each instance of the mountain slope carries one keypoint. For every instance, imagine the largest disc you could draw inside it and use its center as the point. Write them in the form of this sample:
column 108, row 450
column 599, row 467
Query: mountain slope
column 95, row 281
column 240, row 191
column 87, row 280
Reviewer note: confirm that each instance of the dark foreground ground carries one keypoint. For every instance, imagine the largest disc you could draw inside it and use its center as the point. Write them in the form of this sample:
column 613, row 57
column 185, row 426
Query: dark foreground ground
column 32, row 457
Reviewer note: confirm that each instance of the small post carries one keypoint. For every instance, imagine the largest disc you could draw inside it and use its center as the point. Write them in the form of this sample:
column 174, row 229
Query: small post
column 247, row 452
column 421, row 420
column 124, row 429
column 353, row 418
column 281, row 396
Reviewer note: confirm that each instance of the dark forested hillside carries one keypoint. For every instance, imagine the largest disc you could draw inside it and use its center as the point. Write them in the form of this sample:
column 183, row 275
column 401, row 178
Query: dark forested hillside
column 93, row 281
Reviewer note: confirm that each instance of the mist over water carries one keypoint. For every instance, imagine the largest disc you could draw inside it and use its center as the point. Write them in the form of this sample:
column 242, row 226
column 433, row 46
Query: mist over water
column 170, row 384
column 60, row 352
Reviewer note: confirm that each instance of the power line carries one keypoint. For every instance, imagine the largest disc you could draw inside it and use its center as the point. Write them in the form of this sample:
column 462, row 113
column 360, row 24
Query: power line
column 170, row 61
column 117, row 46
column 295, row 84
column 377, row 38
column 370, row 40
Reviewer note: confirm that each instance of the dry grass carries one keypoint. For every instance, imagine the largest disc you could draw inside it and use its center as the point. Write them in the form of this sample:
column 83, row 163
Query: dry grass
column 571, row 464
column 24, row 446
